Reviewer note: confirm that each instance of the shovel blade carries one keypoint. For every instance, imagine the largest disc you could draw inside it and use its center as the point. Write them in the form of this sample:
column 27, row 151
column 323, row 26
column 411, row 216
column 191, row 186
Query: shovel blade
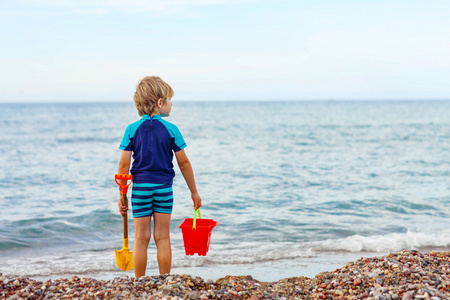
column 124, row 259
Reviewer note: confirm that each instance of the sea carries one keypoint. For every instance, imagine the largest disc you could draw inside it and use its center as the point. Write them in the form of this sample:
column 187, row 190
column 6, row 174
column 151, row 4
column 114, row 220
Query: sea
column 297, row 187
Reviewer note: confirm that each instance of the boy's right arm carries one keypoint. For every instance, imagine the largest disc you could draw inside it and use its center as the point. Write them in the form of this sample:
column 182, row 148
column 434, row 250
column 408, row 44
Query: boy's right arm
column 188, row 174
column 124, row 168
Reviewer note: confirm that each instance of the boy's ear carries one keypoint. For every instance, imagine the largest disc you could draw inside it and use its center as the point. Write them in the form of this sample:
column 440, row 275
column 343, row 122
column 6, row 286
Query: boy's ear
column 159, row 103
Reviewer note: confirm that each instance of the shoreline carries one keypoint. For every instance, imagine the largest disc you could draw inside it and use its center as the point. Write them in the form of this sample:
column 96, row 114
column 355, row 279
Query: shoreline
column 405, row 275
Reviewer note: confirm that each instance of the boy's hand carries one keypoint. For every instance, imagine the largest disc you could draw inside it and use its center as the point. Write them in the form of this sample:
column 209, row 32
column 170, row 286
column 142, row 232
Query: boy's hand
column 122, row 209
column 197, row 200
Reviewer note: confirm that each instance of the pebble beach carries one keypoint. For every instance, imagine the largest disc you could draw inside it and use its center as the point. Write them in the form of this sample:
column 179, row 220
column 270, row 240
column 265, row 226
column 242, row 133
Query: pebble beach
column 406, row 275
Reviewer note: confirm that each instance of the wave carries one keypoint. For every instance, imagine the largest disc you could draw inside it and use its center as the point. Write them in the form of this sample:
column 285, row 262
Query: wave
column 95, row 227
column 250, row 254
column 386, row 243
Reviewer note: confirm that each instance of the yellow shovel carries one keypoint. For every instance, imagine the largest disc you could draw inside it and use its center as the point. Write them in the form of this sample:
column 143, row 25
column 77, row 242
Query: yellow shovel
column 124, row 257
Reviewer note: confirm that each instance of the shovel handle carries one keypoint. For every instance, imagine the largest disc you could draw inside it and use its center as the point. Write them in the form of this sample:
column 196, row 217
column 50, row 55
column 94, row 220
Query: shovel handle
column 125, row 217
column 123, row 196
column 123, row 187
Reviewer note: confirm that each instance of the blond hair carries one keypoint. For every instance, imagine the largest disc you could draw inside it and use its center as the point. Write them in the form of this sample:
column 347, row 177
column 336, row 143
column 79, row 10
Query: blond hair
column 149, row 90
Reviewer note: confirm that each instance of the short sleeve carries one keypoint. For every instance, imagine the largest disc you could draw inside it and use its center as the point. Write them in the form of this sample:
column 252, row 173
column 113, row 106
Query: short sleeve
column 175, row 133
column 126, row 140
column 128, row 136
column 179, row 141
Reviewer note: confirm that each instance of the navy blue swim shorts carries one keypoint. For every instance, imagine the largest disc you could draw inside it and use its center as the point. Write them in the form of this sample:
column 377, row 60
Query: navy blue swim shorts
column 147, row 198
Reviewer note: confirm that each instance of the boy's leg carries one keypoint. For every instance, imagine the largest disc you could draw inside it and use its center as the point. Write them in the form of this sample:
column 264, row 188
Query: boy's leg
column 142, row 229
column 161, row 234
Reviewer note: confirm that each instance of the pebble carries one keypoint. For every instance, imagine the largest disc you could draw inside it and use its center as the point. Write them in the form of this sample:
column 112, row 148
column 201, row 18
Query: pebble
column 406, row 275
column 16, row 283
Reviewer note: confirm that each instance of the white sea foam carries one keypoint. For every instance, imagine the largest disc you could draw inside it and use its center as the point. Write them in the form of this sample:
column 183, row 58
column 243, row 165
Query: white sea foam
column 386, row 243
column 307, row 257
column 252, row 253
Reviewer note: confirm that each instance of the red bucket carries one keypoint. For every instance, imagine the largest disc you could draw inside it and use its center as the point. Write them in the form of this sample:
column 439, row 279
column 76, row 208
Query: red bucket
column 197, row 234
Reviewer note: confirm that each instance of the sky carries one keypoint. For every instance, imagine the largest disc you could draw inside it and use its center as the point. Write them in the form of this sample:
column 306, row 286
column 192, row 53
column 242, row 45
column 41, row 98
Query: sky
column 215, row 50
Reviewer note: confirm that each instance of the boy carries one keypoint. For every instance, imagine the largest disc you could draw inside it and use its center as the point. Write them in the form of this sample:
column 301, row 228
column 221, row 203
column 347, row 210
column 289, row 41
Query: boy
column 152, row 142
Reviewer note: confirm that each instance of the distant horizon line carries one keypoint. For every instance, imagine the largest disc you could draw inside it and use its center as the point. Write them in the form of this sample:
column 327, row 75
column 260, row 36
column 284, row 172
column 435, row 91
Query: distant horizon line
column 231, row 101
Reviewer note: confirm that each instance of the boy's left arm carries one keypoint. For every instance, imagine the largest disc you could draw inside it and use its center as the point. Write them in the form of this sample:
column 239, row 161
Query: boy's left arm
column 188, row 174
column 124, row 168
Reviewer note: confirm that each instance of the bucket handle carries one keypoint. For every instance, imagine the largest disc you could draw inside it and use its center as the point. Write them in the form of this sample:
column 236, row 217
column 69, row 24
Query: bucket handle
column 195, row 220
